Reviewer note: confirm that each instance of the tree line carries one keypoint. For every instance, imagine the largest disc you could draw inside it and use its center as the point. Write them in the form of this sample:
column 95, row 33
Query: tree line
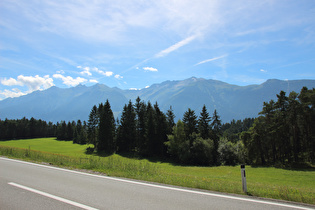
column 32, row 128
column 26, row 128
column 146, row 131
column 283, row 133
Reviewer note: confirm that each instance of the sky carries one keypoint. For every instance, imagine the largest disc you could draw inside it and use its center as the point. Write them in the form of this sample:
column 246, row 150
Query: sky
column 136, row 43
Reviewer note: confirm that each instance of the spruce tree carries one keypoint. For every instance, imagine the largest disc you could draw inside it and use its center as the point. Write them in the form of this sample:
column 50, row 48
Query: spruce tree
column 160, row 131
column 127, row 129
column 151, row 137
column 106, row 129
column 190, row 124
column 140, row 109
column 93, row 126
column 215, row 135
column 203, row 123
column 170, row 119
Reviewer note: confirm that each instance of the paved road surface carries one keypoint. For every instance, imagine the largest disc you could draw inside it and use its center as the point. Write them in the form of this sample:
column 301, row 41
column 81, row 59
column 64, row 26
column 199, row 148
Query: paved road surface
column 26, row 185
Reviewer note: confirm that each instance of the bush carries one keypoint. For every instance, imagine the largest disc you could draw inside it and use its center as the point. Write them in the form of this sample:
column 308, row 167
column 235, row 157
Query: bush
column 201, row 151
column 227, row 152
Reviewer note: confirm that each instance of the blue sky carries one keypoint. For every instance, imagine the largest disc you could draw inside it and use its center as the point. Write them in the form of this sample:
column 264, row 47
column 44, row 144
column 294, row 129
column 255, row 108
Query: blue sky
column 134, row 44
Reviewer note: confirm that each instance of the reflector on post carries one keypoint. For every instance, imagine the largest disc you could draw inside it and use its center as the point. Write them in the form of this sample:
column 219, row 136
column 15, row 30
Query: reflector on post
column 244, row 186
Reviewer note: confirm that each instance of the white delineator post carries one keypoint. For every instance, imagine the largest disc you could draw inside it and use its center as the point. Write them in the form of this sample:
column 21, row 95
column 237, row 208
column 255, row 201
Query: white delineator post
column 243, row 178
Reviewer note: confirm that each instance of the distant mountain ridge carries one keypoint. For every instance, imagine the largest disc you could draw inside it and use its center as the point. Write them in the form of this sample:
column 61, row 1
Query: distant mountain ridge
column 231, row 101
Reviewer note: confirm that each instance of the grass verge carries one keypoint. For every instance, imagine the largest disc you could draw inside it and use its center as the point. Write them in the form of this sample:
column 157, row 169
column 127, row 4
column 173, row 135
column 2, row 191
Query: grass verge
column 291, row 185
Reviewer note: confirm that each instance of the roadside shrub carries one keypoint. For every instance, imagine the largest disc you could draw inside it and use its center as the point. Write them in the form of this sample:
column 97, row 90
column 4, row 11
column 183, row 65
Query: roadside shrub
column 201, row 151
column 227, row 152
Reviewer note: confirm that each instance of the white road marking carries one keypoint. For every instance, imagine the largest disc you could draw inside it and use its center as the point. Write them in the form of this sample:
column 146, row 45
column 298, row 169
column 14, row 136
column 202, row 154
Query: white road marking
column 167, row 187
column 52, row 196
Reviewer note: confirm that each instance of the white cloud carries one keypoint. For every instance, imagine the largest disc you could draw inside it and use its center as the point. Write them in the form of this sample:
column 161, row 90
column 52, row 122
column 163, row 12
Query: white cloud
column 93, row 81
column 108, row 73
column 149, row 69
column 11, row 93
column 263, row 70
column 133, row 89
column 10, row 82
column 105, row 73
column 175, row 46
column 212, row 59
column 117, row 76
column 147, row 86
column 69, row 81
column 86, row 71
column 33, row 83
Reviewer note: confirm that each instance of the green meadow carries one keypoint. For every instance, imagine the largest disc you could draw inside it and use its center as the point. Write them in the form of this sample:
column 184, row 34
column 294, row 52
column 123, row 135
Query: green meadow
column 268, row 182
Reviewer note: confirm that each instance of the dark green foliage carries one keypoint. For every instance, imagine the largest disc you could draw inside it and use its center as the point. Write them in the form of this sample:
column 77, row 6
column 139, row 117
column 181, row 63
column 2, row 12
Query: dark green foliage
column 284, row 134
column 62, row 131
column 230, row 153
column 160, row 132
column 141, row 119
column 106, row 134
column 201, row 151
column 126, row 134
column 190, row 122
column 178, row 144
column 92, row 133
column 204, row 123
column 170, row 119
column 215, row 135
column 70, row 130
column 24, row 128
column 80, row 133
column 232, row 130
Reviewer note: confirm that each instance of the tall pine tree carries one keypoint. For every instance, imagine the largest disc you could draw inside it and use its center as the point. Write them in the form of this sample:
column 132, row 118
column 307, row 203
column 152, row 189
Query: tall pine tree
column 204, row 123
column 215, row 135
column 126, row 140
column 93, row 126
column 106, row 131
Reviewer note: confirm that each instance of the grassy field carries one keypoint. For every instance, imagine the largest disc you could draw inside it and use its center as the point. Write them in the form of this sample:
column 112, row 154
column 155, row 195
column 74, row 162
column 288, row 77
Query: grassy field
column 292, row 185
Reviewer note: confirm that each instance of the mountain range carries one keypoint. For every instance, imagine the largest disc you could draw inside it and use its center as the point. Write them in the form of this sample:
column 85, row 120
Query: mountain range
column 231, row 101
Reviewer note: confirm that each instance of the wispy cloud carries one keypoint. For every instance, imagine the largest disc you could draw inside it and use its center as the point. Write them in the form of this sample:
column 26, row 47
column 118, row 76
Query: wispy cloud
column 175, row 46
column 149, row 69
column 212, row 59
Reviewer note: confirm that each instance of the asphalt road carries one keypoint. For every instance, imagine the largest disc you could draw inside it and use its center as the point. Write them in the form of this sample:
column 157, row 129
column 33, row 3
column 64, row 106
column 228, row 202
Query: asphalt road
column 26, row 185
